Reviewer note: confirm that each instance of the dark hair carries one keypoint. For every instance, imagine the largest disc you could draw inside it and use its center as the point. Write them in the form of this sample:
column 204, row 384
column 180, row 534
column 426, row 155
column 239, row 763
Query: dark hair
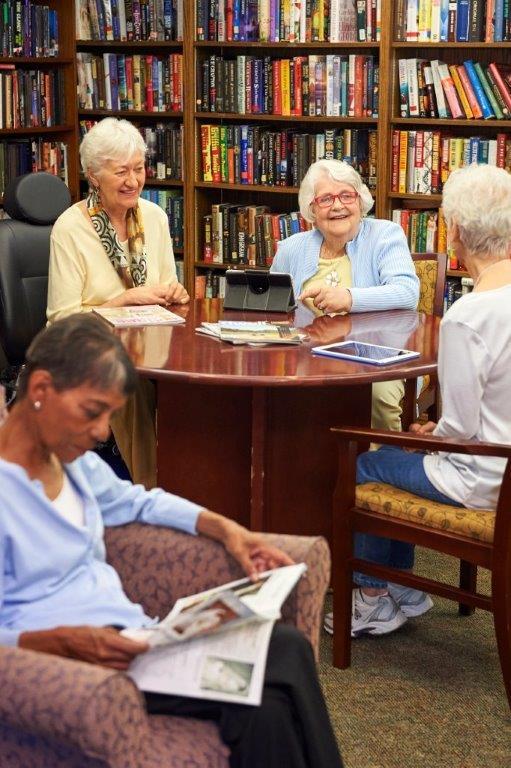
column 80, row 349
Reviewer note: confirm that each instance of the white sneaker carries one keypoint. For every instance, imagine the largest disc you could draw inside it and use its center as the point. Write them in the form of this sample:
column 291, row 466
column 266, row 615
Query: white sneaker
column 379, row 618
column 412, row 602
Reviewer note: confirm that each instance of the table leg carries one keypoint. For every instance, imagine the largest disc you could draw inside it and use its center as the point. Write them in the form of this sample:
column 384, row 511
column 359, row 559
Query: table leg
column 262, row 456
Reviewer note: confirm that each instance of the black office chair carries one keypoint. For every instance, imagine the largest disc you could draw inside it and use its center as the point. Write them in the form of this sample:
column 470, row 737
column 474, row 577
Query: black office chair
column 33, row 202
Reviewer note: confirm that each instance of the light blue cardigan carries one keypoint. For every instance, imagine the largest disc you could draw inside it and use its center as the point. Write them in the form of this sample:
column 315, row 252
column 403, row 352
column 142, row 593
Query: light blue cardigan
column 382, row 270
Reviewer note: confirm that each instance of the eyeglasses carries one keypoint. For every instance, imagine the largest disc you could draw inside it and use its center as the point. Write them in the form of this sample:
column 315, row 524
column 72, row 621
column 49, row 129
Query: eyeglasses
column 345, row 198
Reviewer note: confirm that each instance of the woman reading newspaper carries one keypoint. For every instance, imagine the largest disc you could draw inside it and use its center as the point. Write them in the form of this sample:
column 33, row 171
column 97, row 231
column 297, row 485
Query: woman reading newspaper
column 58, row 593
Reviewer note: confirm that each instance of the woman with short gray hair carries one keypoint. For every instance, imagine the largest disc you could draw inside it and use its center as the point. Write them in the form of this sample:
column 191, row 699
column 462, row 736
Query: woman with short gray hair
column 474, row 370
column 112, row 250
column 349, row 263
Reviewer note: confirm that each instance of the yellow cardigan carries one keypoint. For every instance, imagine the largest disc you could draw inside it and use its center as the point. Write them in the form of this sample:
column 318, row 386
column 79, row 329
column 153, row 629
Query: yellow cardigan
column 81, row 275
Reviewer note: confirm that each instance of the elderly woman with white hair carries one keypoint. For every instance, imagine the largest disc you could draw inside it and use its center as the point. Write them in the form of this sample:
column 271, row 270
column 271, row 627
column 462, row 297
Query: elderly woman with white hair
column 474, row 370
column 350, row 263
column 111, row 250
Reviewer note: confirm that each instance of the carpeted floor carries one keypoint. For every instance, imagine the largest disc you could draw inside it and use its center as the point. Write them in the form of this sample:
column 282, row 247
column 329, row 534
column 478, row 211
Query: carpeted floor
column 428, row 696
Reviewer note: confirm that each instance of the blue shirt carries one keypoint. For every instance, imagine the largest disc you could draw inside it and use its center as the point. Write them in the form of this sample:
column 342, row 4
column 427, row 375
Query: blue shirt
column 53, row 572
column 382, row 270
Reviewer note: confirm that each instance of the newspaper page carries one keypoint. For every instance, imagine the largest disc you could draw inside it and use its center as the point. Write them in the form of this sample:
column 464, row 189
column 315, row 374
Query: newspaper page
column 213, row 645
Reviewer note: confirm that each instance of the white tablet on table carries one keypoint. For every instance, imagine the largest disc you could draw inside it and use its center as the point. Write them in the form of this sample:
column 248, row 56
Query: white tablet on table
column 362, row 352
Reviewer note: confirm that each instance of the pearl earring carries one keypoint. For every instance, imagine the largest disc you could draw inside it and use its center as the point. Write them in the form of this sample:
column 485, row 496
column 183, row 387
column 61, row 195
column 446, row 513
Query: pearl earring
column 37, row 405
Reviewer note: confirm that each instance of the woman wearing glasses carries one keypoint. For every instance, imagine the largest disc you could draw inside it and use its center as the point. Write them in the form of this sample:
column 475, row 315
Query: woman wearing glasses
column 349, row 263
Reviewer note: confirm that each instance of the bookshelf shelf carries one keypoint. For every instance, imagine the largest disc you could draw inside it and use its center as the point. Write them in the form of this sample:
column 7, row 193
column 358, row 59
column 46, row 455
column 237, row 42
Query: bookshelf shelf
column 431, row 199
column 36, row 130
column 447, row 46
column 129, row 113
column 222, row 267
column 456, row 273
column 287, row 47
column 36, row 61
column 128, row 45
column 438, row 122
column 264, row 117
column 247, row 188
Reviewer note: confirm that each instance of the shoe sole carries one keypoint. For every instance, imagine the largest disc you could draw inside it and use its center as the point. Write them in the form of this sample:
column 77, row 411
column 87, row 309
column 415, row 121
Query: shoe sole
column 376, row 629
column 380, row 628
column 412, row 611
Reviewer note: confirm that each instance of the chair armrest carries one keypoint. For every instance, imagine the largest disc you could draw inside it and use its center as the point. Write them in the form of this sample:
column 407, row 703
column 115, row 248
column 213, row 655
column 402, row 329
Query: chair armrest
column 422, row 442
column 96, row 710
column 158, row 565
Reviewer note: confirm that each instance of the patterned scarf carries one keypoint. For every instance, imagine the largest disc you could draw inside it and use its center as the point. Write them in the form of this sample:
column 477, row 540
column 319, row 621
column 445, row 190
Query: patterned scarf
column 132, row 274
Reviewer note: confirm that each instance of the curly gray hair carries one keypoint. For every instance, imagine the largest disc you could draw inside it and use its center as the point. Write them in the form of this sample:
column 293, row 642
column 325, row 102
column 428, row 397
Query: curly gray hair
column 110, row 139
column 338, row 171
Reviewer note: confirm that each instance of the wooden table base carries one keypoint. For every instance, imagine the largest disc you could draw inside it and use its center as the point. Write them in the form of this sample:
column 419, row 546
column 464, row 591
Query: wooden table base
column 263, row 456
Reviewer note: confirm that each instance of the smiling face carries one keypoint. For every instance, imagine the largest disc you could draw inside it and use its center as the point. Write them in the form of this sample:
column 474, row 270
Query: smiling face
column 74, row 420
column 339, row 222
column 120, row 183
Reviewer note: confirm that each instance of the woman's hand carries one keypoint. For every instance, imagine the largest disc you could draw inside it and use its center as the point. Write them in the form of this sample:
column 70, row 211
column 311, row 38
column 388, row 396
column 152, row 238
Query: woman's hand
column 422, row 429
column 248, row 548
column 96, row 645
column 176, row 294
column 328, row 299
column 143, row 295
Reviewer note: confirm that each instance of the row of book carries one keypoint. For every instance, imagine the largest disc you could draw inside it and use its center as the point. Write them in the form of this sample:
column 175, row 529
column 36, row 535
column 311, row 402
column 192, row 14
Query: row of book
column 29, row 155
column 426, row 231
column 332, row 85
column 28, row 29
column 466, row 91
column 453, row 21
column 290, row 21
column 138, row 83
column 171, row 201
column 30, row 97
column 164, row 141
column 423, row 160
column 257, row 154
column 210, row 285
column 247, row 234
column 455, row 288
column 129, row 19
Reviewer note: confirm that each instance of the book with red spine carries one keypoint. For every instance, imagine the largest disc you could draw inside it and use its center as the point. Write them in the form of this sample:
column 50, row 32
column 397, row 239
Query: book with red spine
column 467, row 87
column 504, row 89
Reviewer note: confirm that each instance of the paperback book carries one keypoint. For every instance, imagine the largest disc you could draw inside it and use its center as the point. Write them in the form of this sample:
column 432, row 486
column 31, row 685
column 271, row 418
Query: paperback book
column 131, row 317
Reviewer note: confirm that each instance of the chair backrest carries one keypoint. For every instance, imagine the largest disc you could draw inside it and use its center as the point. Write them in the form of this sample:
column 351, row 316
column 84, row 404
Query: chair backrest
column 431, row 271
column 33, row 201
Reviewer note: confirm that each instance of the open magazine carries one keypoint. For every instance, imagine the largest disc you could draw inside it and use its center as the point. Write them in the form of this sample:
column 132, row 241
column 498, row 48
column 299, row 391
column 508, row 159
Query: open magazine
column 253, row 332
column 138, row 315
column 213, row 645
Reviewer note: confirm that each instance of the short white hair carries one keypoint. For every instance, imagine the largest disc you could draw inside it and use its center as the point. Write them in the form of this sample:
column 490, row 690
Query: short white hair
column 478, row 199
column 110, row 139
column 337, row 170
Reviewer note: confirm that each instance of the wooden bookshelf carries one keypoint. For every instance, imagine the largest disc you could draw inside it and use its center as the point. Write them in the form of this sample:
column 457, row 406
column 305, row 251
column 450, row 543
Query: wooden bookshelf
column 66, row 130
column 198, row 195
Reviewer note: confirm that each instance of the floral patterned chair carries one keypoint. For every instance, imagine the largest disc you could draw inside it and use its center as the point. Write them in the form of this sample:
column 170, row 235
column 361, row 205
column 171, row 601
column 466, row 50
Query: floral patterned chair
column 475, row 537
column 431, row 271
column 59, row 713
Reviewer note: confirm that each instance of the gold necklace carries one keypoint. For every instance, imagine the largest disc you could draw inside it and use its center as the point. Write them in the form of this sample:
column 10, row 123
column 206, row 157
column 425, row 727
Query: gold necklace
column 327, row 253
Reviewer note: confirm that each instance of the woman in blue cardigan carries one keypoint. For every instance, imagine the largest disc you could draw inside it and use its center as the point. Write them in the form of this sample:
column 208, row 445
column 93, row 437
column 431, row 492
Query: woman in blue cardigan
column 349, row 263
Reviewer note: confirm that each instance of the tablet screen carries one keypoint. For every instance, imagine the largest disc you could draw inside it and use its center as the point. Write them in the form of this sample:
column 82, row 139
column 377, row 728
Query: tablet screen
column 369, row 351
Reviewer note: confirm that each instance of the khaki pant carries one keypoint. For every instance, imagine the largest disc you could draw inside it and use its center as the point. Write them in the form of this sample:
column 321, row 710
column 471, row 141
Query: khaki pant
column 134, row 428
column 386, row 407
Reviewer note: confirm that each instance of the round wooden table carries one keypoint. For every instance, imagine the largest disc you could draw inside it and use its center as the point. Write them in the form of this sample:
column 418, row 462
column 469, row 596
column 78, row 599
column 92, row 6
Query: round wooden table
column 245, row 430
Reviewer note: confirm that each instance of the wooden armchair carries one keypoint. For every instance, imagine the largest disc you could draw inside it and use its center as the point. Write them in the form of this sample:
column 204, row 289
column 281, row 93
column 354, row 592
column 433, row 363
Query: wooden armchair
column 431, row 271
column 475, row 537
column 68, row 714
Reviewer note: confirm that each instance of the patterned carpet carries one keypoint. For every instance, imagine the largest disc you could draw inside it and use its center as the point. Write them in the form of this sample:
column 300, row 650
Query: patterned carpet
column 428, row 696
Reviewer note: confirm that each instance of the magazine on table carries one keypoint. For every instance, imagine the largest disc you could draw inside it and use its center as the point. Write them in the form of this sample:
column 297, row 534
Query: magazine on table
column 136, row 316
column 258, row 332
column 213, row 645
